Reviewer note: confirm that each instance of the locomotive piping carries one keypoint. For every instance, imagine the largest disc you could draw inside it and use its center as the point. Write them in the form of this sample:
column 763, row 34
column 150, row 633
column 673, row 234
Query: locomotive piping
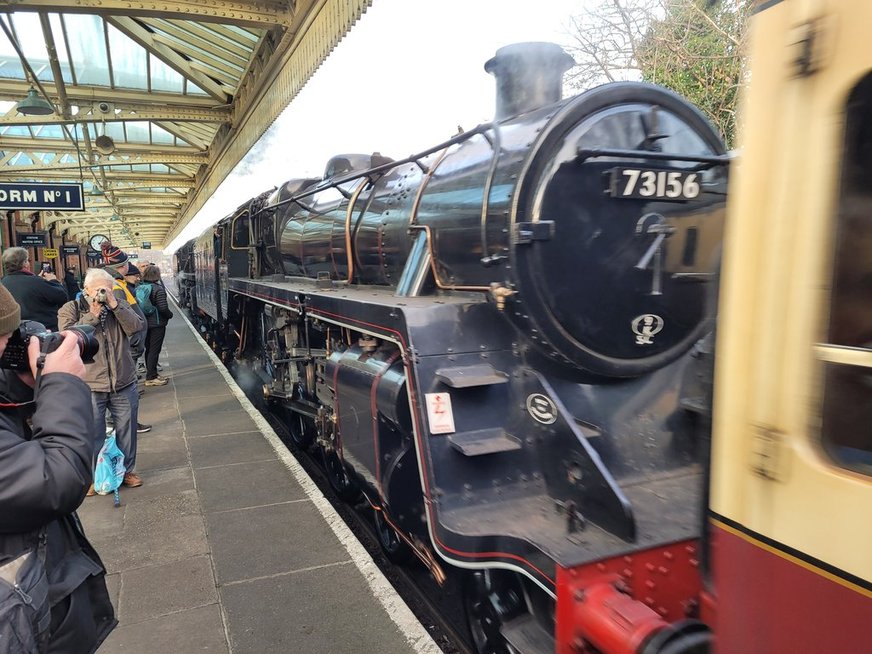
column 377, row 170
column 352, row 202
column 488, row 182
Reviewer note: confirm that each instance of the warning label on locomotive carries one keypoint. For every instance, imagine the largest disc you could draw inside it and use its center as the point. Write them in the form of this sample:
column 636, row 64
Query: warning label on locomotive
column 665, row 184
column 439, row 413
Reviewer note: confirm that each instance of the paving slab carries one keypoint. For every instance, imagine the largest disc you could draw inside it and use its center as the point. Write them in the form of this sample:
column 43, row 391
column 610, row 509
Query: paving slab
column 209, row 423
column 158, row 590
column 246, row 447
column 283, row 542
column 244, row 485
column 158, row 451
column 293, row 613
column 195, row 630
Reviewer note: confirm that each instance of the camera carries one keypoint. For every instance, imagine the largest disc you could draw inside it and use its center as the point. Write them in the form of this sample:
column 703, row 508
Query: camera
column 101, row 297
column 46, row 268
column 15, row 355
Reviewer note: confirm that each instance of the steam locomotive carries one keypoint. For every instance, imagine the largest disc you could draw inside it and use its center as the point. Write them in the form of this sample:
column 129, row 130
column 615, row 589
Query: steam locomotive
column 502, row 345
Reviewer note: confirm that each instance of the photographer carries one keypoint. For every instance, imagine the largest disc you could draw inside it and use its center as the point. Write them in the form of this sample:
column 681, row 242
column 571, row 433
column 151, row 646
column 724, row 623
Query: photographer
column 39, row 296
column 46, row 451
column 112, row 376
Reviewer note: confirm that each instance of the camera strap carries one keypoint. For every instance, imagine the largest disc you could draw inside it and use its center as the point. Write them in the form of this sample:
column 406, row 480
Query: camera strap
column 40, row 364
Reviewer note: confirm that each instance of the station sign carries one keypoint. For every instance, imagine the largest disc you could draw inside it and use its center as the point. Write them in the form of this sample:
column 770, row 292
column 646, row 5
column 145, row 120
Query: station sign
column 50, row 253
column 70, row 249
column 132, row 255
column 31, row 239
column 146, row 245
column 33, row 196
column 94, row 254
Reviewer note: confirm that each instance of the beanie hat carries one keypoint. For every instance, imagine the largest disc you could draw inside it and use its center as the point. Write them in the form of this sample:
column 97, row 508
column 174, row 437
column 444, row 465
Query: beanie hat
column 10, row 312
column 131, row 270
column 112, row 255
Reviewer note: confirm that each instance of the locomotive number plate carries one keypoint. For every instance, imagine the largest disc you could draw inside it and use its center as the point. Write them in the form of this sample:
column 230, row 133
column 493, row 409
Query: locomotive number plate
column 654, row 184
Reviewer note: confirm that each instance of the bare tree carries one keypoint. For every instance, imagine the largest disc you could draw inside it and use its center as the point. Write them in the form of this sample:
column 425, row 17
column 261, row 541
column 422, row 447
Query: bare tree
column 694, row 47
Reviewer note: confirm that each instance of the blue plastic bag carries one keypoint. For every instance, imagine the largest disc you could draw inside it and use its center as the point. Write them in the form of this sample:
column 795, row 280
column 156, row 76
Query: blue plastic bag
column 109, row 471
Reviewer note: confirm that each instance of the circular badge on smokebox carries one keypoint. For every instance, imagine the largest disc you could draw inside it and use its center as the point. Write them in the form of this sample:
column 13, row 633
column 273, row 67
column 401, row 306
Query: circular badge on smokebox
column 541, row 408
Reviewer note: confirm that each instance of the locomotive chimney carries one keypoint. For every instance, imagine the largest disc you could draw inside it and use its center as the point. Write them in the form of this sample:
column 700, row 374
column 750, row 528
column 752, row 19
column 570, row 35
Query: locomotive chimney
column 529, row 76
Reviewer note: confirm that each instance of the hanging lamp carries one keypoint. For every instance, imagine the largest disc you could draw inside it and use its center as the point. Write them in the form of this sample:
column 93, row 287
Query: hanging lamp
column 34, row 105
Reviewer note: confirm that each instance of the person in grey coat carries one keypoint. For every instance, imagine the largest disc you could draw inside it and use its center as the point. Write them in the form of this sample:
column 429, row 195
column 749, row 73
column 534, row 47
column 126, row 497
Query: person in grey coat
column 46, row 450
column 112, row 375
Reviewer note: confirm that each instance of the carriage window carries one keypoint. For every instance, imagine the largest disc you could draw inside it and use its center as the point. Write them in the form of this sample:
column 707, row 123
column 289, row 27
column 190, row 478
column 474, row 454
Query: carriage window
column 847, row 397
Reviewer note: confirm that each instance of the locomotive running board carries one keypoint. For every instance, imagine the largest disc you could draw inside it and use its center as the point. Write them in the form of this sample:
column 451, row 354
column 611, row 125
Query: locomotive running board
column 467, row 376
column 484, row 441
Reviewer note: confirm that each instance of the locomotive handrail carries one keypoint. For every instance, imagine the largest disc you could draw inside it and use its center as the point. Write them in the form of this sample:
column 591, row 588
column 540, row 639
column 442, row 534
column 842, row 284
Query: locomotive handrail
column 414, row 158
column 590, row 153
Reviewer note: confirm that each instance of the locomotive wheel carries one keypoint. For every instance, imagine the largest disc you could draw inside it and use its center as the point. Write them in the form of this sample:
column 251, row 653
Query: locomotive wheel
column 301, row 428
column 338, row 476
column 394, row 547
column 492, row 598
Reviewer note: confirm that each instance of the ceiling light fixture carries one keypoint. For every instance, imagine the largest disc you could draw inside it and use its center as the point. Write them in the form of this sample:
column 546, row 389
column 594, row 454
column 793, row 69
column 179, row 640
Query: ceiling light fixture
column 34, row 105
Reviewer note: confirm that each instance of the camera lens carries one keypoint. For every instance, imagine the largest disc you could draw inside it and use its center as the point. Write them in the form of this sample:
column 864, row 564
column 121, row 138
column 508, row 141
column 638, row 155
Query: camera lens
column 88, row 343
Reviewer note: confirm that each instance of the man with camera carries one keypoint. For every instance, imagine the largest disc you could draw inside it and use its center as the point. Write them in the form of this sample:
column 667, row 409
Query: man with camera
column 53, row 595
column 117, row 263
column 39, row 296
column 111, row 376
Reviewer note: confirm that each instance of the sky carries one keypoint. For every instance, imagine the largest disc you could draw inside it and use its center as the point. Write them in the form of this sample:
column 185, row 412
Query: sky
column 404, row 78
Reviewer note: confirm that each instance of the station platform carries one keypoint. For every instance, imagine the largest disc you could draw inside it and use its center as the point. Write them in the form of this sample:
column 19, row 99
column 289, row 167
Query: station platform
column 228, row 546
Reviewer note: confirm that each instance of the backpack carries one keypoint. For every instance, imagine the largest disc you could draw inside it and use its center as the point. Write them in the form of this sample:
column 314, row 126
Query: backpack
column 143, row 299
column 109, row 471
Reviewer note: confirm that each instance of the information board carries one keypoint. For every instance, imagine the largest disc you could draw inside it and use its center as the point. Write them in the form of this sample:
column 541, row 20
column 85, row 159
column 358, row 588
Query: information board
column 31, row 239
column 70, row 249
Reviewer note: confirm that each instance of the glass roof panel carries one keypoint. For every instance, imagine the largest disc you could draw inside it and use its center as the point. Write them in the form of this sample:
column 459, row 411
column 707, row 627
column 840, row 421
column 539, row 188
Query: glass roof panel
column 242, row 32
column 88, row 48
column 160, row 168
column 21, row 159
column 49, row 131
column 128, row 61
column 29, row 34
column 137, row 132
column 160, row 135
column 10, row 65
column 193, row 89
column 14, row 130
column 115, row 130
column 61, row 47
column 164, row 78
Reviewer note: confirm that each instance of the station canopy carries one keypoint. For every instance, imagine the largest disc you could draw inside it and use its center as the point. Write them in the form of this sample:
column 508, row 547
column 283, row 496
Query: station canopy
column 153, row 103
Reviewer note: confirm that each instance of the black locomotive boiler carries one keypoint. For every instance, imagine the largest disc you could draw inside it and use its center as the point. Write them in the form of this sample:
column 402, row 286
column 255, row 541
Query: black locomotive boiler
column 499, row 343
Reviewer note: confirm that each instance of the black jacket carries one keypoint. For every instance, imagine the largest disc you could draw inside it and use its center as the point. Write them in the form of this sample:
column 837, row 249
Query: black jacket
column 39, row 299
column 71, row 284
column 45, row 473
column 158, row 299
